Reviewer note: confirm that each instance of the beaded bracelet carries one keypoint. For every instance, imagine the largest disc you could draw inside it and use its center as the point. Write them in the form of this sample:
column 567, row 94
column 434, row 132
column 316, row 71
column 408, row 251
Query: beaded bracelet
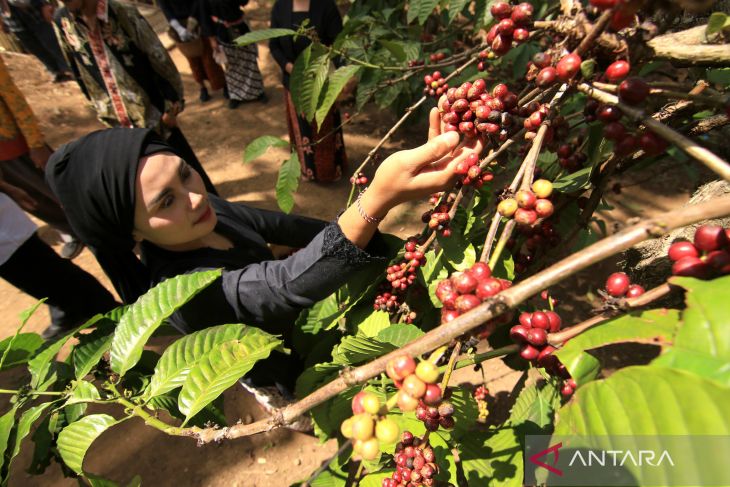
column 365, row 216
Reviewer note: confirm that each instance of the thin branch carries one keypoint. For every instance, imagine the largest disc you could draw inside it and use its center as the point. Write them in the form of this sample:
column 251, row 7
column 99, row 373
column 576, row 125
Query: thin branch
column 492, row 307
column 690, row 147
column 625, row 305
column 326, row 464
column 503, row 239
column 596, row 30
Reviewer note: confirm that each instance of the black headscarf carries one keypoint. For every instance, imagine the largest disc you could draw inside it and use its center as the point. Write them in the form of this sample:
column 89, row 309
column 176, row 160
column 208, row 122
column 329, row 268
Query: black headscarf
column 94, row 178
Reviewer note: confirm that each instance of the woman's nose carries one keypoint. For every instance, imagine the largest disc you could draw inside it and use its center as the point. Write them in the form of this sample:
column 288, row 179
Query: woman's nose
column 196, row 200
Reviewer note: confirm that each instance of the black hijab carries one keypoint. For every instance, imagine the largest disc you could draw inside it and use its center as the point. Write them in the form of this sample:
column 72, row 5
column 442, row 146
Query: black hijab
column 94, row 178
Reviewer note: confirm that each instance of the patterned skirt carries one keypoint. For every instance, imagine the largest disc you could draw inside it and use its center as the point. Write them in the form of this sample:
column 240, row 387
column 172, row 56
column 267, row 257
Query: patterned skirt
column 242, row 74
column 324, row 160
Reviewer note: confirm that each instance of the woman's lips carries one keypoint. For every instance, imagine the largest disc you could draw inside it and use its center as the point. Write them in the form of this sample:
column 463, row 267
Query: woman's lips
column 206, row 214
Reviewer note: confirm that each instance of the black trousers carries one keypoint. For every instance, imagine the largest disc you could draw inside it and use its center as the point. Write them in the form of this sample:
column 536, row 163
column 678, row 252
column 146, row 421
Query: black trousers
column 73, row 294
column 39, row 39
column 178, row 141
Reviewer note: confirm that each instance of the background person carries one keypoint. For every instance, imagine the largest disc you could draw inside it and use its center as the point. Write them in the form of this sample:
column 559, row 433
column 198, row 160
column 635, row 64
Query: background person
column 23, row 156
column 188, row 26
column 325, row 160
column 31, row 22
column 124, row 70
column 243, row 77
column 32, row 266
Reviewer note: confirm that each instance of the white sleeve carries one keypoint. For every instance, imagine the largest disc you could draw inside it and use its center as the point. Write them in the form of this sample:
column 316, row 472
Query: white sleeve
column 15, row 227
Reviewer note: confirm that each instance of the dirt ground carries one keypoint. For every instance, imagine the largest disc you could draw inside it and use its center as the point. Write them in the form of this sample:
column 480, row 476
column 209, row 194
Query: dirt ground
column 219, row 136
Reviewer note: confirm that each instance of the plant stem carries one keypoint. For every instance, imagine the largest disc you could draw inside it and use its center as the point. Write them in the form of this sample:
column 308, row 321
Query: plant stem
column 688, row 146
column 483, row 357
column 489, row 309
column 660, row 291
column 33, row 393
column 502, row 242
column 595, row 31
column 450, row 366
column 137, row 410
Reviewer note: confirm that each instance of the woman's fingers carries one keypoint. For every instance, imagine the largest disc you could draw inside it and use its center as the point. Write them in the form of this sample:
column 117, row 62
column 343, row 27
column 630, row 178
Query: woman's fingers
column 433, row 150
column 434, row 123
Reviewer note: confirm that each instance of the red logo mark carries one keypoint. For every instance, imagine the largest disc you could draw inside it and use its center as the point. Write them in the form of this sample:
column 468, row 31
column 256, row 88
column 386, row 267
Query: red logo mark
column 554, row 450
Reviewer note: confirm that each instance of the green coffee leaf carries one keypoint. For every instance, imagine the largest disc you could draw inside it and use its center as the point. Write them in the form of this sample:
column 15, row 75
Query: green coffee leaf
column 221, row 368
column 75, row 439
column 262, row 35
column 173, row 367
column 149, row 311
column 288, row 182
column 259, row 145
column 654, row 327
column 334, row 85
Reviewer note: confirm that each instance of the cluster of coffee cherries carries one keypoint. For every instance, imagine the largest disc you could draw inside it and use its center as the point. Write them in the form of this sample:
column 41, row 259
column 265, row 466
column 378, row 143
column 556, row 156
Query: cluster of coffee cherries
column 466, row 290
column 565, row 69
column 618, row 285
column 527, row 206
column 513, row 23
column 400, row 277
column 435, row 415
column 413, row 63
column 570, row 157
column 472, row 174
column 367, row 428
column 531, row 335
column 625, row 143
column 471, row 110
column 708, row 255
column 416, row 383
column 480, row 395
column 436, row 85
column 536, row 238
column 437, row 57
column 438, row 219
column 415, row 463
column 360, row 179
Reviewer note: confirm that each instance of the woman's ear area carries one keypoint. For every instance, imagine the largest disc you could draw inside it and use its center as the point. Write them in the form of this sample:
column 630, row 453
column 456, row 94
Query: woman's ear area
column 136, row 236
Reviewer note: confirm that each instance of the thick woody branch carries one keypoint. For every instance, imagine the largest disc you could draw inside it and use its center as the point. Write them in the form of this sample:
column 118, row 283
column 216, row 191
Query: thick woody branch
column 690, row 147
column 688, row 47
column 491, row 308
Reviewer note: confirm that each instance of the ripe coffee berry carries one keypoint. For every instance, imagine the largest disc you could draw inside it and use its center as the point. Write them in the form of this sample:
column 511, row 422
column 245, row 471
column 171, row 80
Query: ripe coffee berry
column 568, row 66
column 617, row 71
column 679, row 250
column 633, row 91
column 710, row 237
column 617, row 284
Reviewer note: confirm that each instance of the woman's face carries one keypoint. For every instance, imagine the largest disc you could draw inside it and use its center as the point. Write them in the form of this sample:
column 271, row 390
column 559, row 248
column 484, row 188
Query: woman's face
column 171, row 207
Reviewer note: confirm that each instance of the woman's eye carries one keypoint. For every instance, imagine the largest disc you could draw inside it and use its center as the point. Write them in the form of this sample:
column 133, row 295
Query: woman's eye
column 167, row 202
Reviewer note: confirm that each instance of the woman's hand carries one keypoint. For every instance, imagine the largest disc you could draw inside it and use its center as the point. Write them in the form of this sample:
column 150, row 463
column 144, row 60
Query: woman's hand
column 416, row 173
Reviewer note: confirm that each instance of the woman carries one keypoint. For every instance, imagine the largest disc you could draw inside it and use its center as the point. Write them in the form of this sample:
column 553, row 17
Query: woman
column 187, row 24
column 124, row 186
column 325, row 160
column 243, row 77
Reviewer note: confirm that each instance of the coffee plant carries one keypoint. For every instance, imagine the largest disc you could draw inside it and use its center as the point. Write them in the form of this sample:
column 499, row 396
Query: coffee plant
column 566, row 97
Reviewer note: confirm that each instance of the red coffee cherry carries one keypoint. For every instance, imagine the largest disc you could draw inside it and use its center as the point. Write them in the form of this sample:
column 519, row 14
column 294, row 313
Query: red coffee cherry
column 679, row 250
column 617, row 284
column 546, row 77
column 540, row 319
column 568, row 66
column 500, row 10
column 633, row 91
column 464, row 283
column 603, row 4
column 537, row 337
column 617, row 71
column 518, row 333
column 528, row 352
column 634, row 291
column 691, row 267
column 710, row 237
